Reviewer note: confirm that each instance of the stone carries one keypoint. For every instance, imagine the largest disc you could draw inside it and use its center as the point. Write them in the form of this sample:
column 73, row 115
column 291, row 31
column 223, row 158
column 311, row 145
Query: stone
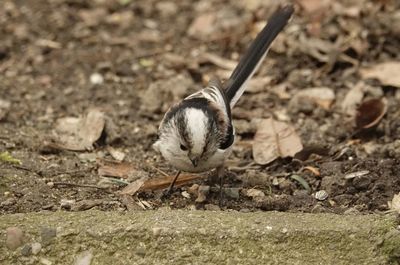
column 14, row 237
column 48, row 234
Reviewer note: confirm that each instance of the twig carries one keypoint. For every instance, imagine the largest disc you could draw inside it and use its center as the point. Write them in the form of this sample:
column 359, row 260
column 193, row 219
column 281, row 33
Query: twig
column 39, row 173
column 159, row 171
column 81, row 185
column 252, row 165
column 71, row 172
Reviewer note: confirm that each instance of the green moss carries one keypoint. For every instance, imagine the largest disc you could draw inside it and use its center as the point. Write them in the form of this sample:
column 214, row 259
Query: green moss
column 6, row 157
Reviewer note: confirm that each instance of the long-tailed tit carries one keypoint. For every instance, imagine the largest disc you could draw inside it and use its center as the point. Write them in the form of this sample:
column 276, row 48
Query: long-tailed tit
column 196, row 134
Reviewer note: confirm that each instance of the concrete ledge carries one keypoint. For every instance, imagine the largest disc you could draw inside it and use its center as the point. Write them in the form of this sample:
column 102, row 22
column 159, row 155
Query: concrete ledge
column 200, row 237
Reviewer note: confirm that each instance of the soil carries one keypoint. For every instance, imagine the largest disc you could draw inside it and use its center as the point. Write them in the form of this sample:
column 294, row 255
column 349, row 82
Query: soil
column 58, row 58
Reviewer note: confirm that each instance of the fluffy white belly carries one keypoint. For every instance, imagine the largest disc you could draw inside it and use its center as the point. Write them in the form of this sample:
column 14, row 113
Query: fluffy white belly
column 214, row 161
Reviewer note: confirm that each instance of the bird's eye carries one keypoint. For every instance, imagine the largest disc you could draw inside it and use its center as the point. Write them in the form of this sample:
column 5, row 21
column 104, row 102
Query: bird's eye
column 183, row 147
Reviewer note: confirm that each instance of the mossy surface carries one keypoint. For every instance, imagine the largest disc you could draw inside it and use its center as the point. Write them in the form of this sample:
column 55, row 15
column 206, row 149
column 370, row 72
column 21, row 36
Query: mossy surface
column 204, row 237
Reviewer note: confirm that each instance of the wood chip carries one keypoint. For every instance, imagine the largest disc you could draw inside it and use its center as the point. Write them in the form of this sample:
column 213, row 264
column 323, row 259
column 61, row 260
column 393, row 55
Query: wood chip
column 313, row 170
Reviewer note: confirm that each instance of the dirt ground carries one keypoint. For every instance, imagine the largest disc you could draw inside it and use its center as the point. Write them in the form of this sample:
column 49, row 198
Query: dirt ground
column 133, row 59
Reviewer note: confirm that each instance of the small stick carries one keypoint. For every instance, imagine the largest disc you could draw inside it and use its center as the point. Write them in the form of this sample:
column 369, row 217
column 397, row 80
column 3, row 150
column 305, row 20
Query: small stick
column 159, row 171
column 81, row 185
column 171, row 186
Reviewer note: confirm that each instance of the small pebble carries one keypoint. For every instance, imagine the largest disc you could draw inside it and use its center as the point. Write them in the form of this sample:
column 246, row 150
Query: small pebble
column 47, row 234
column 14, row 237
column 45, row 261
column 66, row 204
column 321, row 195
column 254, row 193
column 185, row 194
column 26, row 250
column 212, row 207
column 141, row 251
column 36, row 247
column 84, row 258
column 194, row 189
column 8, row 202
column 203, row 191
column 96, row 79
column 50, row 184
column 232, row 192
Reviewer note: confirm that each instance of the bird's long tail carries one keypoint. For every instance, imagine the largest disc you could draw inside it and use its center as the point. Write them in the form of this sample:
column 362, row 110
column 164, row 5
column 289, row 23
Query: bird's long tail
column 251, row 60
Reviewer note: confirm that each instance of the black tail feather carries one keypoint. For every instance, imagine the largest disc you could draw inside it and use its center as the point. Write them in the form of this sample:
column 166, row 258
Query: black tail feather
column 248, row 64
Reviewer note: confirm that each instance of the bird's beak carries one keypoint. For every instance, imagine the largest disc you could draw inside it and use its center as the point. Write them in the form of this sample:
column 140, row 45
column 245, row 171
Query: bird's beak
column 194, row 162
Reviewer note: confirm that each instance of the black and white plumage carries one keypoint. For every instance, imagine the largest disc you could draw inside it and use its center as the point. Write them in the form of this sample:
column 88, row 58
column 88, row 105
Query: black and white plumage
column 196, row 134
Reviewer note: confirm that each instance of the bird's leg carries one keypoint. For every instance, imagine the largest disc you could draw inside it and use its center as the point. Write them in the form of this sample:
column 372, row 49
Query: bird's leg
column 220, row 174
column 171, row 186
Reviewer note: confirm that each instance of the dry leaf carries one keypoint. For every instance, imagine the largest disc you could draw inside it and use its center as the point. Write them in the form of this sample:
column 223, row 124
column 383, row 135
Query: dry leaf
column 146, row 184
column 258, row 84
column 370, row 113
column 353, row 98
column 218, row 61
column 275, row 139
column 134, row 187
column 164, row 182
column 115, row 169
column 387, row 73
column 116, row 154
column 81, row 133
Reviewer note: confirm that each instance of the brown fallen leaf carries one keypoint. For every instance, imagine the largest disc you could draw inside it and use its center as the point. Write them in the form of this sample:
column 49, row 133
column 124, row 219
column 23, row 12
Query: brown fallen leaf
column 275, row 139
column 78, row 134
column 146, row 184
column 353, row 98
column 115, row 169
column 165, row 181
column 134, row 187
column 370, row 113
column 387, row 73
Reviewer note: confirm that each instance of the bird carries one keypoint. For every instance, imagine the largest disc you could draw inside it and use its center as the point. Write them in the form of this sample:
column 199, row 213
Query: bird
column 196, row 134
